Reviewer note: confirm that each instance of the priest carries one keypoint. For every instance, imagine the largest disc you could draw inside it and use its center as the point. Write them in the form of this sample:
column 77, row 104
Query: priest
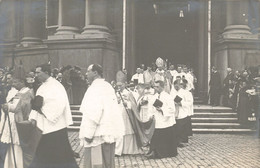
column 53, row 118
column 183, row 101
column 102, row 124
column 163, row 142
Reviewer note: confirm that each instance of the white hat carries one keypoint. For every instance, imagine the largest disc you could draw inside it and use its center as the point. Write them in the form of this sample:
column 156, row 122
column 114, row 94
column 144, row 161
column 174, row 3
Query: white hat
column 159, row 62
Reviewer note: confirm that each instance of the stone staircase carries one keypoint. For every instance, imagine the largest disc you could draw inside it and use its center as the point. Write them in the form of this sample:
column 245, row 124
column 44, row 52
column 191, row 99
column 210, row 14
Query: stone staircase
column 77, row 117
column 206, row 119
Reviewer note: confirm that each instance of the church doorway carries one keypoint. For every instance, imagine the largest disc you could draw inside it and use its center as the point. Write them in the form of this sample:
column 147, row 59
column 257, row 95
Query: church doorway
column 167, row 29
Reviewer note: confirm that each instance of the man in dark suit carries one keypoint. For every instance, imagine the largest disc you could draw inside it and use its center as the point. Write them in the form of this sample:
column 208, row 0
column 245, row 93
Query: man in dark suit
column 226, row 86
column 215, row 87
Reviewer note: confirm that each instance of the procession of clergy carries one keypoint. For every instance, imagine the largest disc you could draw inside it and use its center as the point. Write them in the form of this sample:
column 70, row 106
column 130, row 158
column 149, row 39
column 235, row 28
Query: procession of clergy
column 153, row 112
column 157, row 109
column 151, row 115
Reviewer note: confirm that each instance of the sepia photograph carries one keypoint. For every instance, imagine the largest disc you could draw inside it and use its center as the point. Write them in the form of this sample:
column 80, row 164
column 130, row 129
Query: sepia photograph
column 129, row 83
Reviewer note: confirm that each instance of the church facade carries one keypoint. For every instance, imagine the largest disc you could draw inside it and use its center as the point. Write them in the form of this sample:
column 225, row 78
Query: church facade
column 126, row 33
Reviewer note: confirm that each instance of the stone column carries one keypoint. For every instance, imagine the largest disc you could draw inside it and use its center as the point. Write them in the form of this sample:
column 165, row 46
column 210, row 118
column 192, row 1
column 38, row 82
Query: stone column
column 237, row 17
column 237, row 40
column 130, row 49
column 8, row 21
column 202, row 49
column 256, row 20
column 33, row 22
column 96, row 17
column 8, row 31
column 68, row 22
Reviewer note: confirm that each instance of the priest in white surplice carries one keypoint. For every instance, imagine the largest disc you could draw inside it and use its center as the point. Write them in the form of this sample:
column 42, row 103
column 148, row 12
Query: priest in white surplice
column 183, row 102
column 53, row 118
column 138, row 77
column 163, row 142
column 102, row 122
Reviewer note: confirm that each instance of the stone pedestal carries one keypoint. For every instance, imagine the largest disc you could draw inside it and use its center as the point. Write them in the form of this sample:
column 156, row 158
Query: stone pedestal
column 31, row 56
column 236, row 51
column 84, row 52
column 237, row 42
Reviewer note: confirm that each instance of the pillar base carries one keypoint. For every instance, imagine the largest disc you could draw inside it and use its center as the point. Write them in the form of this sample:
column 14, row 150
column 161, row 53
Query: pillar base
column 30, row 41
column 96, row 31
column 237, row 29
column 64, row 30
column 238, row 32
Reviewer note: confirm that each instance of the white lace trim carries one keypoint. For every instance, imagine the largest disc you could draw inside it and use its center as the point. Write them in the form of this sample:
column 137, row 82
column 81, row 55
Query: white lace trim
column 6, row 138
column 98, row 140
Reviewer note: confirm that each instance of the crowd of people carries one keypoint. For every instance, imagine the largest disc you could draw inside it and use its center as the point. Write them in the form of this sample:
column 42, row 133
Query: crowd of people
column 238, row 90
column 35, row 115
column 148, row 113
column 118, row 118
column 73, row 81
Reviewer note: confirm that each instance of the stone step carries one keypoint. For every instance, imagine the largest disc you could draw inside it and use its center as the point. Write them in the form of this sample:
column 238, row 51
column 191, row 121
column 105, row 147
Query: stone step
column 76, row 123
column 214, row 115
column 198, row 130
column 76, row 112
column 74, row 107
column 216, row 125
column 213, row 120
column 197, row 108
column 212, row 110
column 203, row 107
column 206, row 119
column 221, row 131
column 73, row 128
column 77, row 117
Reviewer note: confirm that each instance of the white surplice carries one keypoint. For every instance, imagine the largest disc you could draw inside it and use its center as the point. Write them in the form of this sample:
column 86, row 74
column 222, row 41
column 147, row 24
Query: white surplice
column 139, row 77
column 167, row 117
column 186, row 103
column 55, row 107
column 102, row 119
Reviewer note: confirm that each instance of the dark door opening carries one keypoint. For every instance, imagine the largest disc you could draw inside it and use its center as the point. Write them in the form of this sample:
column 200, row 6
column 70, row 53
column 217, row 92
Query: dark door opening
column 167, row 29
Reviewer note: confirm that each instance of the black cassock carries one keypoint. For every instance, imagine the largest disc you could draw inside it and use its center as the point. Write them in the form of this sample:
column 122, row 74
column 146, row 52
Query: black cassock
column 215, row 88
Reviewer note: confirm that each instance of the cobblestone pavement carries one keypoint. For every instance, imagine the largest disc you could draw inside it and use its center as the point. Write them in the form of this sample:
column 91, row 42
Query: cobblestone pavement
column 203, row 151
